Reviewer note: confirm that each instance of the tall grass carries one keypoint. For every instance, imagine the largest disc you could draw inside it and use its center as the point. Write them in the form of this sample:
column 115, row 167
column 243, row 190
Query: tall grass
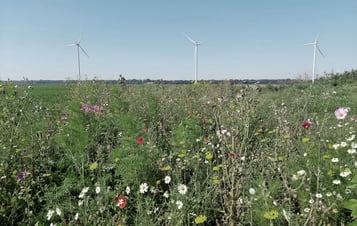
column 178, row 155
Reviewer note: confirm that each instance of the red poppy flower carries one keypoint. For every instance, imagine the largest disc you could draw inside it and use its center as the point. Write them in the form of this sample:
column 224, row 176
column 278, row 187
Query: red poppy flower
column 140, row 140
column 306, row 124
column 121, row 201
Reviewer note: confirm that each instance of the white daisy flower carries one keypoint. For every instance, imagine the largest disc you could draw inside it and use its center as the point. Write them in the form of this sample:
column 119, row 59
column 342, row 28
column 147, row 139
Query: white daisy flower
column 182, row 189
column 345, row 173
column 336, row 146
column 143, row 188
column 179, row 204
column 252, row 191
column 85, row 190
column 336, row 181
column 167, row 179
column 58, row 211
column 76, row 216
column 166, row 194
column 301, row 173
column 354, row 145
column 351, row 138
column 127, row 190
column 49, row 214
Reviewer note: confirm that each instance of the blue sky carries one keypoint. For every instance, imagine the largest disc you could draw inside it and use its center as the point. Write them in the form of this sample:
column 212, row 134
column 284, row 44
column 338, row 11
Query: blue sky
column 144, row 39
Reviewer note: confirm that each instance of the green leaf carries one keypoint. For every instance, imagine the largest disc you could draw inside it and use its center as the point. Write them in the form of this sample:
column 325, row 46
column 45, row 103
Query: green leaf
column 354, row 223
column 351, row 204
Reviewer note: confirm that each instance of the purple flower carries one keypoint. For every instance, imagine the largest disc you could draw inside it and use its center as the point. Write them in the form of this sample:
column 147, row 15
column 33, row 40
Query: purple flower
column 306, row 124
column 21, row 176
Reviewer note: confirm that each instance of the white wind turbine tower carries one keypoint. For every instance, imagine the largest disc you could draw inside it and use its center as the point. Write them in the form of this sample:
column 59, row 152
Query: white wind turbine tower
column 78, row 58
column 196, row 54
column 316, row 47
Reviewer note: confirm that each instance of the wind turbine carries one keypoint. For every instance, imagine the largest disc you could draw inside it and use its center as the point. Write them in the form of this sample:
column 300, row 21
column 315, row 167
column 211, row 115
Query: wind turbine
column 196, row 54
column 316, row 47
column 78, row 58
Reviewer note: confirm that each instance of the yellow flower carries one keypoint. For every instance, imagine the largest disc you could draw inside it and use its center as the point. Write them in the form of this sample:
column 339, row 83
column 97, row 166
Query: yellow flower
column 326, row 156
column 216, row 168
column 209, row 156
column 330, row 173
column 182, row 154
column 215, row 180
column 271, row 215
column 200, row 219
column 305, row 139
column 93, row 166
column 166, row 168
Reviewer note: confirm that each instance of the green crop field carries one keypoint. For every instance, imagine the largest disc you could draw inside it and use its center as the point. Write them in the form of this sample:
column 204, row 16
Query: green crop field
column 50, row 93
column 155, row 154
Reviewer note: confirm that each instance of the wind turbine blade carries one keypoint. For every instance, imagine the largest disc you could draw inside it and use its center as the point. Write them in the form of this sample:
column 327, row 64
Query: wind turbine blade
column 320, row 52
column 82, row 50
column 306, row 44
column 190, row 39
column 80, row 38
column 317, row 37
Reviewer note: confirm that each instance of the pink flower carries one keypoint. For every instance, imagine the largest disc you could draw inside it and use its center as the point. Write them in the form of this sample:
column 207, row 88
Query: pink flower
column 96, row 108
column 341, row 112
column 306, row 124
column 64, row 117
column 121, row 201
column 91, row 109
column 85, row 107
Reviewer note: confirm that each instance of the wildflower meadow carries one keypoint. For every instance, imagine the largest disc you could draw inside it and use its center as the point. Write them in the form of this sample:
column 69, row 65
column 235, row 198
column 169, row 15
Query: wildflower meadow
column 198, row 154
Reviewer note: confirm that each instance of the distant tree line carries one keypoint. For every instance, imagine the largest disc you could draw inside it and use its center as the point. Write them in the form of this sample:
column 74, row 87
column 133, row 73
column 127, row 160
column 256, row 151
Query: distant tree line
column 160, row 81
column 334, row 77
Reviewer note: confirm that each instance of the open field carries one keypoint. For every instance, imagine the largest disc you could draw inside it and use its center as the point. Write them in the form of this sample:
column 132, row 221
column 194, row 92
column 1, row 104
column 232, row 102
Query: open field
column 208, row 154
